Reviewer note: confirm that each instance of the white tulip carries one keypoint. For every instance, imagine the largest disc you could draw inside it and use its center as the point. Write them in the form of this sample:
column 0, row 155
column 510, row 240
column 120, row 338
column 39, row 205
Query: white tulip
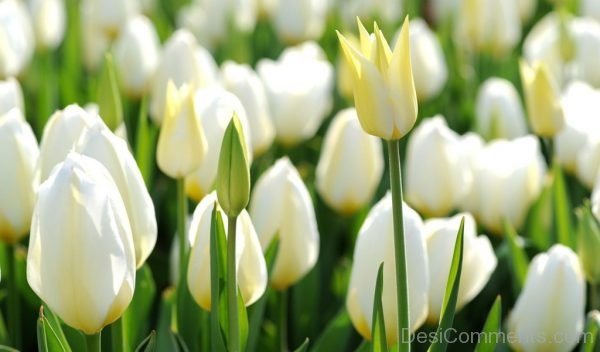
column 281, row 206
column 183, row 62
column 16, row 38
column 374, row 245
column 100, row 143
column 81, row 259
column 242, row 81
column 351, row 164
column 298, row 20
column 434, row 150
column 250, row 266
column 479, row 260
column 49, row 22
column 18, row 152
column 111, row 15
column 299, row 89
column 136, row 53
column 590, row 8
column 499, row 112
column 389, row 11
column 61, row 132
column 444, row 10
column 507, row 178
column 549, row 313
column 214, row 109
column 11, row 96
column 94, row 42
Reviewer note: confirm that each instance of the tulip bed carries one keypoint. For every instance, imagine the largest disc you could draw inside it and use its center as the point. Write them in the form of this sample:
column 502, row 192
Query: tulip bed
column 295, row 175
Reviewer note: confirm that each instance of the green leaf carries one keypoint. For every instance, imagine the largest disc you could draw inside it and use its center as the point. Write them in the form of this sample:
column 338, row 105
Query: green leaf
column 336, row 333
column 136, row 317
column 590, row 336
column 518, row 259
column 48, row 340
column 588, row 243
column 148, row 344
column 8, row 349
column 56, row 326
column 304, row 346
column 217, row 230
column 451, row 295
column 108, row 96
column 145, row 143
column 562, row 209
column 378, row 329
column 165, row 340
column 242, row 320
column 491, row 328
column 539, row 221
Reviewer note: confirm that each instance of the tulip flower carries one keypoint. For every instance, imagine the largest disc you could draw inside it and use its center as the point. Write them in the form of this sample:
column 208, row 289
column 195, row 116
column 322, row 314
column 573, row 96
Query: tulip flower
column 251, row 269
column 61, row 132
column 440, row 146
column 350, row 166
column 498, row 111
column 542, row 100
column 299, row 20
column 298, row 87
column 479, row 260
column 387, row 10
column 94, row 42
column 181, row 142
column 100, row 143
column 384, row 88
column 589, row 8
column 19, row 153
column 182, row 61
column 242, row 81
column 16, row 47
column 507, row 178
column 81, row 258
column 549, row 313
column 281, row 206
column 374, row 245
column 110, row 15
column 11, row 96
column 444, row 10
column 136, row 53
column 214, row 108
column 344, row 71
column 49, row 22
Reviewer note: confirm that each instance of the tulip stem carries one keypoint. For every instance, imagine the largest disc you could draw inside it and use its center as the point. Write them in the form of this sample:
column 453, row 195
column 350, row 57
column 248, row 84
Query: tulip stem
column 232, row 309
column 93, row 342
column 594, row 299
column 14, row 314
column 283, row 317
column 399, row 245
column 181, row 219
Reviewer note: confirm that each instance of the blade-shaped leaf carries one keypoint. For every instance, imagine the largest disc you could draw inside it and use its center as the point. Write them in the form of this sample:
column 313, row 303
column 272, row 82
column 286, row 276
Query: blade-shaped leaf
column 336, row 334
column 56, row 326
column 379, row 343
column 491, row 328
column 518, row 259
column 562, row 209
column 303, row 347
column 590, row 336
column 217, row 230
column 47, row 339
column 108, row 96
column 148, row 344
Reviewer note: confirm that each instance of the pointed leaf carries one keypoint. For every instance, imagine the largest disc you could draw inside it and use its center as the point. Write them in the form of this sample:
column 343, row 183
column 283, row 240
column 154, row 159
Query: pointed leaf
column 108, row 96
column 518, row 259
column 336, row 333
column 148, row 344
column 378, row 330
column 590, row 336
column 47, row 339
column 491, row 328
column 562, row 209
column 217, row 230
column 303, row 347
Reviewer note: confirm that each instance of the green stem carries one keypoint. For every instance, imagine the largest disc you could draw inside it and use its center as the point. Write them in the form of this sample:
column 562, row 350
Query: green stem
column 181, row 219
column 283, row 318
column 399, row 246
column 594, row 299
column 14, row 307
column 118, row 335
column 232, row 312
column 93, row 342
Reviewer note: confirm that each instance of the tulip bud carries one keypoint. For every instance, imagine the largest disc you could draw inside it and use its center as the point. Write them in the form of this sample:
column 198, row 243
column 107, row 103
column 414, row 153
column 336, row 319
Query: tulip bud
column 11, row 96
column 18, row 152
column 299, row 20
column 110, row 15
column 93, row 41
column 81, row 259
column 440, row 146
column 589, row 8
column 374, row 245
column 16, row 47
column 281, row 206
column 233, row 175
column 479, row 261
column 181, row 142
column 49, row 22
column 100, row 143
column 541, row 99
column 302, row 77
column 384, row 88
column 247, row 86
column 498, row 112
column 251, row 269
column 588, row 238
column 549, row 313
column 350, row 166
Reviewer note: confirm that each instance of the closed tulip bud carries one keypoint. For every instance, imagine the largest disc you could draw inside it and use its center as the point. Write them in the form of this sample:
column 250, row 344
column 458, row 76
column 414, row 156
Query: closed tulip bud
column 508, row 176
column 100, row 143
column 242, row 81
column 250, row 268
column 588, row 238
column 384, row 88
column 94, row 42
column 299, row 20
column 11, row 96
column 374, row 245
column 110, row 15
column 214, row 108
column 233, row 174
column 136, row 54
column 16, row 47
column 49, row 22
column 81, row 259
column 541, row 99
column 498, row 111
column 350, row 166
column 183, row 62
column 425, row 190
column 181, row 142
column 61, row 132
column 18, row 152
column 479, row 261
column 549, row 313
column 301, row 77
column 281, row 206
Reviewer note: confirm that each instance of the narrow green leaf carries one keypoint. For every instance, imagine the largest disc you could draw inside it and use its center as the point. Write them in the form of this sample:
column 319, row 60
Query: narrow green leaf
column 562, row 209
column 491, row 328
column 108, row 96
column 41, row 335
column 243, row 321
column 165, row 341
column 148, row 344
column 47, row 339
column 303, row 347
column 217, row 230
column 55, row 326
column 145, row 143
column 378, row 329
column 451, row 295
column 518, row 259
column 8, row 349
column 539, row 220
column 590, row 336
column 588, row 243
column 336, row 334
